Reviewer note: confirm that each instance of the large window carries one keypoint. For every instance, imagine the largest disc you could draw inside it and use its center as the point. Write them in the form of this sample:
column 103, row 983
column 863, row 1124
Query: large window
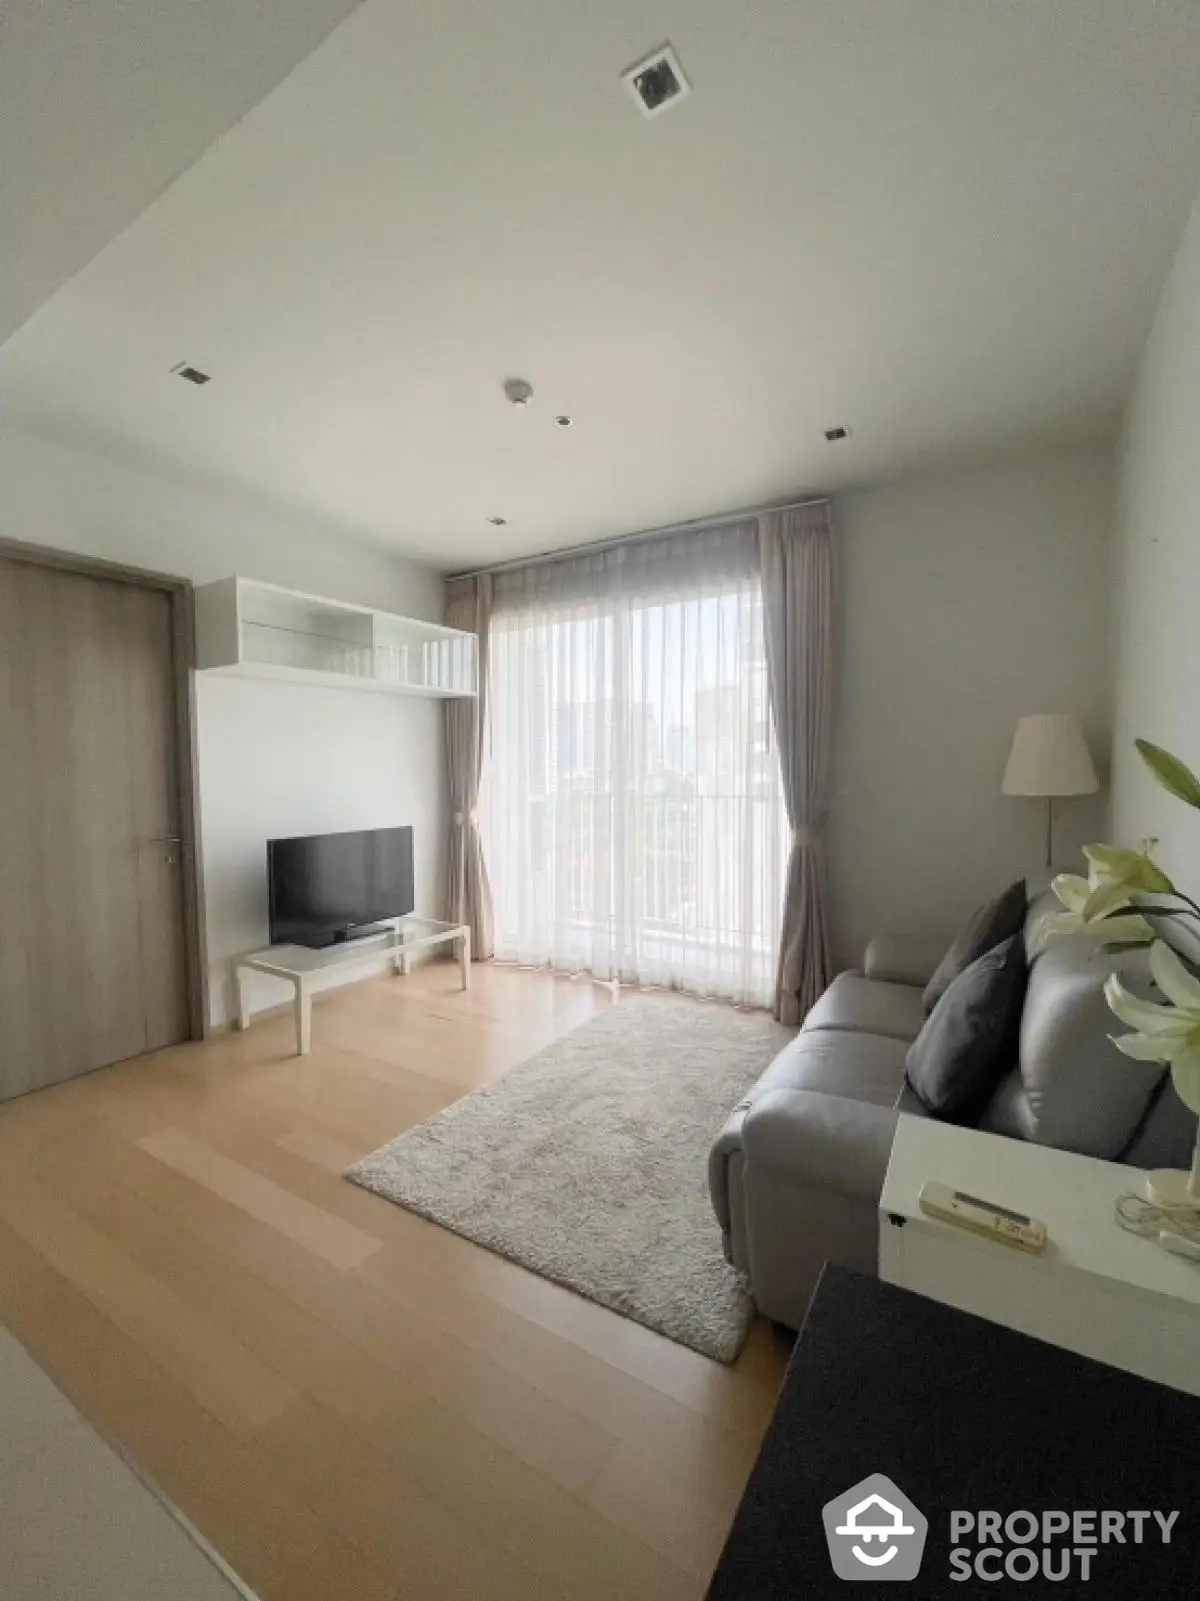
column 632, row 813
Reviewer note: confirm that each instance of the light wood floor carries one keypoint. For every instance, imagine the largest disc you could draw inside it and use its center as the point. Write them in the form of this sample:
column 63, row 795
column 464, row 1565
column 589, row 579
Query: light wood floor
column 348, row 1401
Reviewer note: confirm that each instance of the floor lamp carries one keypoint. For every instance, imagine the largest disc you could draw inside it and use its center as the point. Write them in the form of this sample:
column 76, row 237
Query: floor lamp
column 1049, row 758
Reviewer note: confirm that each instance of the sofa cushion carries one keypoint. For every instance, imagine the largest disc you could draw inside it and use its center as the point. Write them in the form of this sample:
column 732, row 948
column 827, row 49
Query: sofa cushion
column 970, row 1039
column 1167, row 1133
column 993, row 923
column 903, row 958
column 857, row 1005
column 860, row 1067
column 1074, row 1089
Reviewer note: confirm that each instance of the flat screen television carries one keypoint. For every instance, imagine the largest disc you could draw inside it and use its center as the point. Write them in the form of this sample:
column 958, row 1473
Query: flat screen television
column 326, row 888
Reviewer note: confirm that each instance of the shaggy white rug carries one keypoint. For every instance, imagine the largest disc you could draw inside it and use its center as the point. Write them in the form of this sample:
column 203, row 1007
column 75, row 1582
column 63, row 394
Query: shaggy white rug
column 588, row 1163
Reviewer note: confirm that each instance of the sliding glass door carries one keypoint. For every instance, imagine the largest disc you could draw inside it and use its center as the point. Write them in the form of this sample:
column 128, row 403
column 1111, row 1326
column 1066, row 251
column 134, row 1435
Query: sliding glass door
column 632, row 812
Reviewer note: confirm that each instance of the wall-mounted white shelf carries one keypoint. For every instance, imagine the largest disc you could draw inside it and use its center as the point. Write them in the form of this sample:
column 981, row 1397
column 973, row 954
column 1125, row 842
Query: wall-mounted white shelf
column 263, row 631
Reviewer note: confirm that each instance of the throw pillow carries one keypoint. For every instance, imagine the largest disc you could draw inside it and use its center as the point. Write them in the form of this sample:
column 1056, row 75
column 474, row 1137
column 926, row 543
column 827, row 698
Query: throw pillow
column 970, row 1039
column 998, row 920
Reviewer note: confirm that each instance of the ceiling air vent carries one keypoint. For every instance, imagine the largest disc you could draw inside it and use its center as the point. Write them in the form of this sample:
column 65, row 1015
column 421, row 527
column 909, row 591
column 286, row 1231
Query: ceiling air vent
column 834, row 434
column 192, row 374
column 657, row 82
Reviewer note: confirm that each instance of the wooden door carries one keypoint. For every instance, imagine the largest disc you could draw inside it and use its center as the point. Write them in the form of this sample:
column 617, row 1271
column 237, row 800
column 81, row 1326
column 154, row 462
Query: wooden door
column 92, row 944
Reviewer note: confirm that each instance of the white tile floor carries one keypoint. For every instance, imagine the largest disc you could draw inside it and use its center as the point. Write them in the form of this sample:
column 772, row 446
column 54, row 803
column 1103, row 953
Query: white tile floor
column 75, row 1523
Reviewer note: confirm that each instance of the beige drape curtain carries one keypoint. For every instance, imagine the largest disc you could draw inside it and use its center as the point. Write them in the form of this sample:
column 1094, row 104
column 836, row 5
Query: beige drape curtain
column 633, row 811
column 796, row 556
column 468, row 890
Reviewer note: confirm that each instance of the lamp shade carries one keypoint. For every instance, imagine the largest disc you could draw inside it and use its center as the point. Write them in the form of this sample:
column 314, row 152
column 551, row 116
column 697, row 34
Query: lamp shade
column 1049, row 756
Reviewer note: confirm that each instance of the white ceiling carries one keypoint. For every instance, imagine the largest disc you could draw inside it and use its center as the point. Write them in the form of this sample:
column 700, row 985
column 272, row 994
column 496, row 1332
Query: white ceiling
column 104, row 103
column 943, row 222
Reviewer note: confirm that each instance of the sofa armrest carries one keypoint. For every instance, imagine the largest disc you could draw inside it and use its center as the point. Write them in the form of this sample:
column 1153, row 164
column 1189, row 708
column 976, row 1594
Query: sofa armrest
column 903, row 959
column 822, row 1141
column 727, row 1142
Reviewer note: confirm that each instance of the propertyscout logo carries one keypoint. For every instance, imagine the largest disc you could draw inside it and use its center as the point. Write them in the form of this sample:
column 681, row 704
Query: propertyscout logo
column 876, row 1534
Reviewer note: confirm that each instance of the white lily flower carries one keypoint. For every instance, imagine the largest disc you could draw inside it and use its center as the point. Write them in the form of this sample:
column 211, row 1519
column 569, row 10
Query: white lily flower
column 1082, row 914
column 1149, row 1047
column 1168, row 1032
column 1136, row 870
column 1180, row 987
column 1110, row 895
column 1148, row 1017
column 1072, row 890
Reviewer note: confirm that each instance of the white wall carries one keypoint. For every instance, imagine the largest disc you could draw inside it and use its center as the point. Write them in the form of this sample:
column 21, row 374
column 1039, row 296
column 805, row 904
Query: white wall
column 274, row 758
column 1157, row 588
column 969, row 599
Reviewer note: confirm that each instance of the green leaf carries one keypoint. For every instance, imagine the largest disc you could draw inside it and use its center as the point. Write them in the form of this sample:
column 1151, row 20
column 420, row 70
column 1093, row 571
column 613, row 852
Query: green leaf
column 1149, row 907
column 1130, row 911
column 1176, row 778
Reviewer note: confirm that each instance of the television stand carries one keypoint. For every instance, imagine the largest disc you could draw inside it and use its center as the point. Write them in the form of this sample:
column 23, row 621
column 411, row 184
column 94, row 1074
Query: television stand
column 309, row 970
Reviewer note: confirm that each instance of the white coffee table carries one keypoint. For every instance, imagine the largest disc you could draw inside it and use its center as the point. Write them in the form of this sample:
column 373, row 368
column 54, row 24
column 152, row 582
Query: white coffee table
column 310, row 970
column 1097, row 1289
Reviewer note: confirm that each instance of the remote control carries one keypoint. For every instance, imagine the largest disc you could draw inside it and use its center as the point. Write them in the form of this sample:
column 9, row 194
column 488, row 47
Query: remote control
column 985, row 1218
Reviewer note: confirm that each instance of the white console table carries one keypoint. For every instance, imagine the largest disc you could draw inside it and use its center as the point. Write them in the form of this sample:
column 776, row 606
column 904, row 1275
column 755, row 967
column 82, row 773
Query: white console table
column 1097, row 1289
column 310, row 970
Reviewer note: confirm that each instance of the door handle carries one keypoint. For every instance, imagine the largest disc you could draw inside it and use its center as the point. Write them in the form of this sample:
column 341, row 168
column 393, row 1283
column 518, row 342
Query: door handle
column 170, row 841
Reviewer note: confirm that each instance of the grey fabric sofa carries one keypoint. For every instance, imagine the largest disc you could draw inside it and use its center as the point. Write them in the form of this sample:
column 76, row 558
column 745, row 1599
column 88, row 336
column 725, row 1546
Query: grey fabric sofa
column 796, row 1174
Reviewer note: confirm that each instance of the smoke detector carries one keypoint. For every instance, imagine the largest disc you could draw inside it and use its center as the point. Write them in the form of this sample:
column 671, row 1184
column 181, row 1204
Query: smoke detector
column 518, row 392
column 184, row 369
column 657, row 82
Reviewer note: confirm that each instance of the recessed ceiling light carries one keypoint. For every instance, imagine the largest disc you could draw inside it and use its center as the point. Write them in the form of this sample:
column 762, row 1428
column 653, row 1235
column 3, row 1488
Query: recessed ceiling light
column 192, row 374
column 834, row 434
column 563, row 420
column 657, row 82
column 498, row 522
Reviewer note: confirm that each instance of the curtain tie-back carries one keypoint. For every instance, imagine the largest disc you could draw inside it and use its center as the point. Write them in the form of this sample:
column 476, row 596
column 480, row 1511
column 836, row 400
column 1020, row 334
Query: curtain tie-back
column 806, row 834
column 462, row 818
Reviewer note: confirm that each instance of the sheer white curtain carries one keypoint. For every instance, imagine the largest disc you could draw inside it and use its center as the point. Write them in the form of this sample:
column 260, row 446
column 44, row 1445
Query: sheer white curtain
column 631, row 806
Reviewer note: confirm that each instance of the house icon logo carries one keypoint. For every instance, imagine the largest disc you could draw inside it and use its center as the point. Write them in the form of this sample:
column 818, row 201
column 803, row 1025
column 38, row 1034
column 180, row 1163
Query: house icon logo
column 875, row 1532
